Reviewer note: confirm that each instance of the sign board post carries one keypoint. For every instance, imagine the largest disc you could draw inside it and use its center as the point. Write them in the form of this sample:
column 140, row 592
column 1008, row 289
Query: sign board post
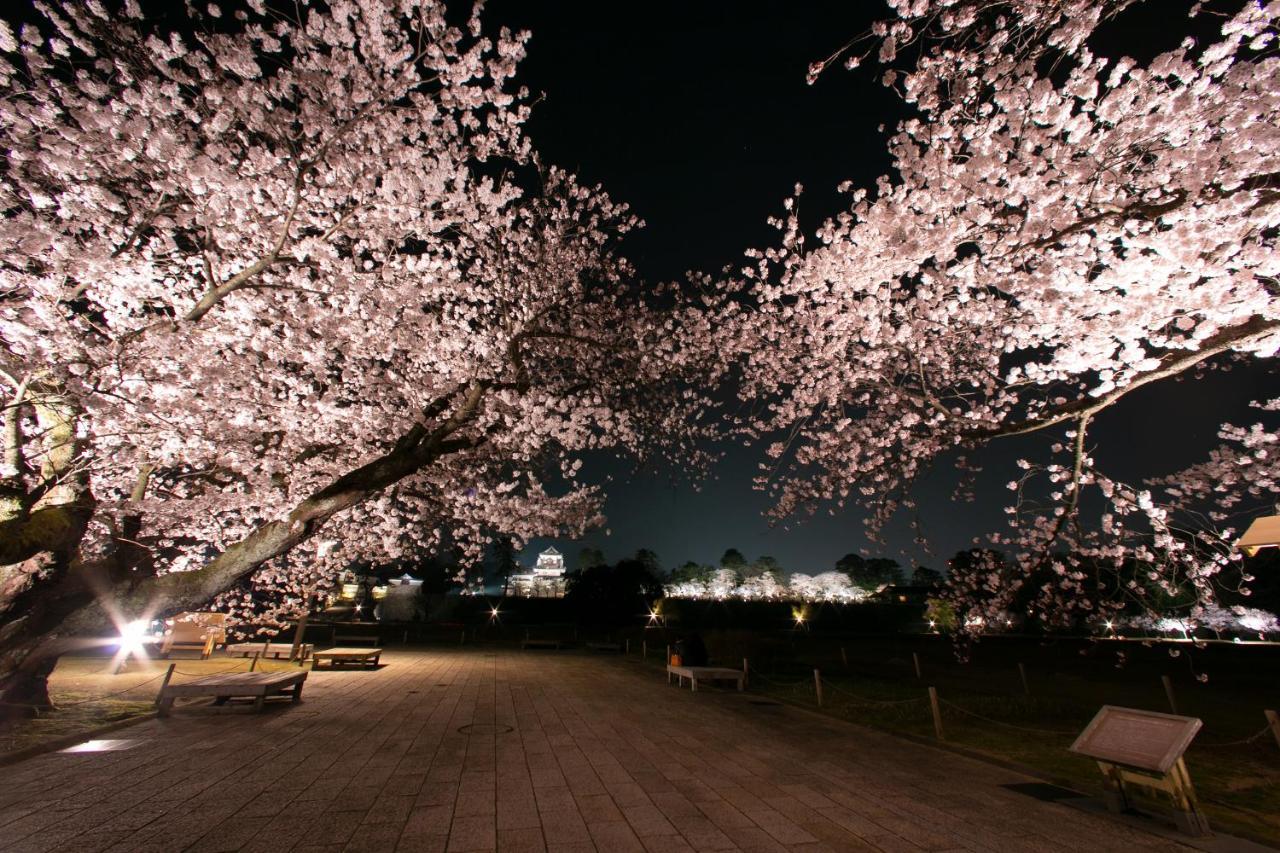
column 1144, row 748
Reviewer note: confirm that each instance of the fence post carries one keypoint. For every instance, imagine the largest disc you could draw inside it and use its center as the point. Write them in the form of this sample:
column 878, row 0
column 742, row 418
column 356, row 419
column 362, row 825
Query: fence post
column 1022, row 671
column 462, row 638
column 1273, row 719
column 253, row 664
column 746, row 677
column 1168, row 691
column 668, row 654
column 817, row 685
column 644, row 649
column 169, row 675
column 844, row 658
column 937, row 713
column 916, row 658
column 628, row 645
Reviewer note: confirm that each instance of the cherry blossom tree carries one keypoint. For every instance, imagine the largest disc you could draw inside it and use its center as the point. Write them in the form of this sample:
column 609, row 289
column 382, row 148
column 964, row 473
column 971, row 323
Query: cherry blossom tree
column 273, row 275
column 1061, row 228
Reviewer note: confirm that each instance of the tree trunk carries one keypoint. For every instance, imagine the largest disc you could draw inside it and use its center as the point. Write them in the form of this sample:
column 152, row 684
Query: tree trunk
column 25, row 690
column 91, row 602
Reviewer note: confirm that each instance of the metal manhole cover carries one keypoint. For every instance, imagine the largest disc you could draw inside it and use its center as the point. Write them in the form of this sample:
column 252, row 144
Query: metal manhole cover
column 484, row 729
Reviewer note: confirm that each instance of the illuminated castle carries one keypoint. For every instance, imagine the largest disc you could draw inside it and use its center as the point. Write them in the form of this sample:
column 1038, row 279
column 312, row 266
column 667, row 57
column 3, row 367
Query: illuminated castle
column 545, row 581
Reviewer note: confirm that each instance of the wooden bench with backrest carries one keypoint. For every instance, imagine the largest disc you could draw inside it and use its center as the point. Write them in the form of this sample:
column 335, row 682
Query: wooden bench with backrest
column 265, row 650
column 196, row 632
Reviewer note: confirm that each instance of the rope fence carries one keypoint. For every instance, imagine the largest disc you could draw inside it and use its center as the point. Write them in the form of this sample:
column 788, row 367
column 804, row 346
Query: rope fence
column 818, row 686
column 886, row 702
column 86, row 701
column 1261, row 733
column 91, row 699
column 956, row 707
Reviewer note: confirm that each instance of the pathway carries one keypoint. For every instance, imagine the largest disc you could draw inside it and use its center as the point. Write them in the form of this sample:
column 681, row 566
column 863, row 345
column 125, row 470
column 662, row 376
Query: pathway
column 525, row 751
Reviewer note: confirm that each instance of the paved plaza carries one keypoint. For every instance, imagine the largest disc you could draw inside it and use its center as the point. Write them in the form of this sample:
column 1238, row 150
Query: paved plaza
column 525, row 751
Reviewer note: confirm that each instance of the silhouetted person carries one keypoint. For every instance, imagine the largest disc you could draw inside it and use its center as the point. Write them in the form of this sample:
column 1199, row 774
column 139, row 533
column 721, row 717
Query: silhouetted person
column 695, row 651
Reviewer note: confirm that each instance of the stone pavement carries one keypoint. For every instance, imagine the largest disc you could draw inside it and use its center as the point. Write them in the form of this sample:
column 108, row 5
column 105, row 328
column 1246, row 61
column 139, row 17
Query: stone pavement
column 525, row 751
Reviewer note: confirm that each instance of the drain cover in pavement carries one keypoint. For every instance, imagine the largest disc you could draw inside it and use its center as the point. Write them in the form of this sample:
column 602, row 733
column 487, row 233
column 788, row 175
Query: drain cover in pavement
column 102, row 746
column 1043, row 791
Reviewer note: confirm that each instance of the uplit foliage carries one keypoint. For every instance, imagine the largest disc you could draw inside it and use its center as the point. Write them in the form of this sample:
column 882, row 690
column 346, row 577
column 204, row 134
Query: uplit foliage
column 1060, row 229
column 724, row 584
column 272, row 270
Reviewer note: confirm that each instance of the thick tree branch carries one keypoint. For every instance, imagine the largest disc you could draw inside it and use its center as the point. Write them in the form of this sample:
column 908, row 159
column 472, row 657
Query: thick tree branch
column 1171, row 365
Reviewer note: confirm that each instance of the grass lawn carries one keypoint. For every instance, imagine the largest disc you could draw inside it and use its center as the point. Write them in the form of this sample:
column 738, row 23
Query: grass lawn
column 89, row 694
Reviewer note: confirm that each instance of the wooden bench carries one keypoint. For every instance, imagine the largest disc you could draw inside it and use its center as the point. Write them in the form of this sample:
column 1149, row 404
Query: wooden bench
column 194, row 632
column 269, row 650
column 229, row 685
column 343, row 656
column 705, row 673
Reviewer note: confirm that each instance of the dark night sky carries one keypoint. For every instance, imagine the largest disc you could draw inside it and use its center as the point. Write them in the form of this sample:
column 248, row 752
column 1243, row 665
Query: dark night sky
column 698, row 115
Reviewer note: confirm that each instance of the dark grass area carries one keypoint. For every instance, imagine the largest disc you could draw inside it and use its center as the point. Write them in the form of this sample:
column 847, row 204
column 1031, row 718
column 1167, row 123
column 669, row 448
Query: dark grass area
column 1234, row 761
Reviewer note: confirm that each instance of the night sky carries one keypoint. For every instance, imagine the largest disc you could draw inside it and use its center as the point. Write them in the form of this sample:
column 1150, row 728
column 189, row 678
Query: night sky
column 698, row 115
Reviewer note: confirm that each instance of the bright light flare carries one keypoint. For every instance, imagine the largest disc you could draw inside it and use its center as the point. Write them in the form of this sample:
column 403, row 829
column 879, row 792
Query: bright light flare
column 132, row 642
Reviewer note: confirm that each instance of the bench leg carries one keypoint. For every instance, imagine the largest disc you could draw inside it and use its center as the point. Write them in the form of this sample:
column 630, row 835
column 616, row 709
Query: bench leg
column 297, row 692
column 259, row 703
column 695, row 684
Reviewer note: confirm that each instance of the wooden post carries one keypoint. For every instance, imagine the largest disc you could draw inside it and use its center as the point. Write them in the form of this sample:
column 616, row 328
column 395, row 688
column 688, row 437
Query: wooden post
column 628, row 645
column 844, row 658
column 1273, row 720
column 644, row 649
column 462, row 640
column 1168, row 691
column 253, row 664
column 746, row 676
column 668, row 654
column 937, row 713
column 165, row 683
column 916, row 658
column 298, row 634
column 1026, row 686
column 817, row 685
